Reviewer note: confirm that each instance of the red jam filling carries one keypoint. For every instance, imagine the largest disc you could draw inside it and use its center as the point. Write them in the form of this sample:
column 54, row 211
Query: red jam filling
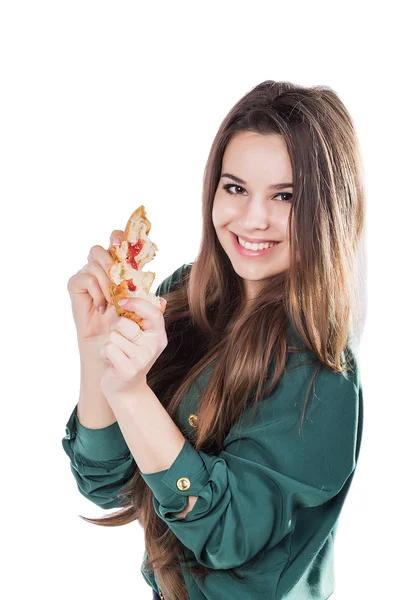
column 133, row 251
column 131, row 285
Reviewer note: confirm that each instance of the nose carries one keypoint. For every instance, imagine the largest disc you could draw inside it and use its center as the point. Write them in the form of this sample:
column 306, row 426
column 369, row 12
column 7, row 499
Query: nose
column 255, row 215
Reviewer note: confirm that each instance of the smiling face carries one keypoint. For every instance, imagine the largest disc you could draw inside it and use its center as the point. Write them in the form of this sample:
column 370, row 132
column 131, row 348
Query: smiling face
column 246, row 204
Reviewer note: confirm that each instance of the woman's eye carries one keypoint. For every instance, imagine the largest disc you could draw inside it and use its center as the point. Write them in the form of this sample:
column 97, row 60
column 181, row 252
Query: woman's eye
column 227, row 187
column 285, row 194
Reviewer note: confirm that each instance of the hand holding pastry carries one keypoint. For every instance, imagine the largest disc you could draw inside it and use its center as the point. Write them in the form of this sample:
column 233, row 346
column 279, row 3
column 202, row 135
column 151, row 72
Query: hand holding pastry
column 138, row 338
column 130, row 351
column 89, row 291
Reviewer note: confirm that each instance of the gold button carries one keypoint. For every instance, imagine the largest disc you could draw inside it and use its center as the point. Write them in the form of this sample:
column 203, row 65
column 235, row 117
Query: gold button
column 193, row 420
column 183, row 484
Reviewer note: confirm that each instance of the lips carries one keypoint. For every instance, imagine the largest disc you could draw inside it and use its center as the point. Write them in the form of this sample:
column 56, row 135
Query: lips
column 251, row 253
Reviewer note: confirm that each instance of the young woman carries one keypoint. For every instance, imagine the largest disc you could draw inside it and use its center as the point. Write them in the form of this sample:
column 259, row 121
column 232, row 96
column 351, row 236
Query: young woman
column 235, row 438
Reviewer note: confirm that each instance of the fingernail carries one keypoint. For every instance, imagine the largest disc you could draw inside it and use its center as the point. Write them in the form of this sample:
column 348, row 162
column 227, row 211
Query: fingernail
column 101, row 309
column 115, row 241
column 123, row 302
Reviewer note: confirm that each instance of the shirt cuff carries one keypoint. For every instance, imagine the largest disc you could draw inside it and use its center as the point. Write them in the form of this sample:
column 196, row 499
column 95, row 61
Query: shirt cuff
column 102, row 444
column 187, row 476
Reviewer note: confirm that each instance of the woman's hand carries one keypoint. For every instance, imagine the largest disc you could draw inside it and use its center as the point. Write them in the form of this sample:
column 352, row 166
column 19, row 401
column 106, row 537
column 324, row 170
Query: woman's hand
column 89, row 291
column 130, row 352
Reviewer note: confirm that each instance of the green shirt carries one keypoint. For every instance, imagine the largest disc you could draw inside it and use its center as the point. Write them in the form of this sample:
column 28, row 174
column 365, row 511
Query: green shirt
column 274, row 495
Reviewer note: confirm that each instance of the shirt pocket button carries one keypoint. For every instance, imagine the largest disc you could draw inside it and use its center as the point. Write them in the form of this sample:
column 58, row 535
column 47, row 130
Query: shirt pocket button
column 183, row 484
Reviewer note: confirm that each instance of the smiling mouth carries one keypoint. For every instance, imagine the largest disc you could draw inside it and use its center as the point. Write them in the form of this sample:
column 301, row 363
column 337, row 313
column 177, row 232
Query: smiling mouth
column 243, row 251
column 236, row 237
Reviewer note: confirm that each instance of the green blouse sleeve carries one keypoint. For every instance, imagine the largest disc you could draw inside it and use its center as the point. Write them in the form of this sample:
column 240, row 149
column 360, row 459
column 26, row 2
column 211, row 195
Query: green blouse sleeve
column 100, row 461
column 250, row 493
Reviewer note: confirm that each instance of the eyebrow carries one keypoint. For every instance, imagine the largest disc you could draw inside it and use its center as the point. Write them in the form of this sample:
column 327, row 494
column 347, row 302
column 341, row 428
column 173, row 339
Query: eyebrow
column 276, row 186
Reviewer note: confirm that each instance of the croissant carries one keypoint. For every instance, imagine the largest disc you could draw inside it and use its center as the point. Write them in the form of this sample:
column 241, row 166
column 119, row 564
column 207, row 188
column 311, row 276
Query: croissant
column 130, row 256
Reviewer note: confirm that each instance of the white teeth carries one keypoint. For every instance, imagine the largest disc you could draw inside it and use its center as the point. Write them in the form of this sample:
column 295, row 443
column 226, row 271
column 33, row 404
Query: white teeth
column 250, row 246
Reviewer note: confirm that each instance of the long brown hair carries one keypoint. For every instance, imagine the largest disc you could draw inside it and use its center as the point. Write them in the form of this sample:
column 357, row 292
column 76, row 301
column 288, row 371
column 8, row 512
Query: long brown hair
column 205, row 315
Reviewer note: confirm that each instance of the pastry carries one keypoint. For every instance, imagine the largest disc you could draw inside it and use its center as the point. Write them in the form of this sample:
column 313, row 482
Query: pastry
column 130, row 256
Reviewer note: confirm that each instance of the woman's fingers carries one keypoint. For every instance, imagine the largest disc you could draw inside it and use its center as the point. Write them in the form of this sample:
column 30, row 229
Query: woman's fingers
column 95, row 269
column 129, row 329
column 94, row 278
column 129, row 348
column 87, row 282
column 116, row 237
column 122, row 334
column 101, row 256
column 153, row 319
column 99, row 263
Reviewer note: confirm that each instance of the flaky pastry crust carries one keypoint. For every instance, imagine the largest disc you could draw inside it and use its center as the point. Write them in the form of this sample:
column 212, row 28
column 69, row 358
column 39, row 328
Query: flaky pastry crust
column 118, row 291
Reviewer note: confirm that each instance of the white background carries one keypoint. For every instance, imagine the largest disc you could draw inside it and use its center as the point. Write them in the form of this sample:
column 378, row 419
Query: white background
column 109, row 105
